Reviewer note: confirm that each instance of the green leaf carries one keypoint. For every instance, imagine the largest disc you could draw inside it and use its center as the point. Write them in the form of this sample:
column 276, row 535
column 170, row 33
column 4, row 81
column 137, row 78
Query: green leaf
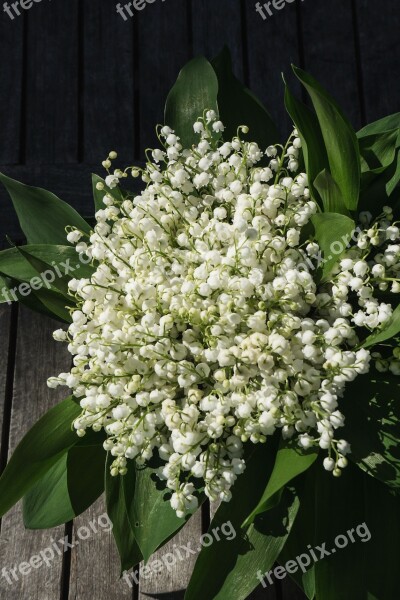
column 43, row 217
column 230, row 566
column 40, row 257
column 73, row 484
column 56, row 304
column 340, row 140
column 98, row 195
column 382, row 125
column 120, row 493
column 313, row 147
column 389, row 330
column 153, row 521
column 395, row 179
column 372, row 412
column 358, row 513
column 290, row 462
column 330, row 193
column 382, row 517
column 378, row 150
column 46, row 269
column 195, row 91
column 38, row 451
column 333, row 233
column 302, row 533
column 239, row 106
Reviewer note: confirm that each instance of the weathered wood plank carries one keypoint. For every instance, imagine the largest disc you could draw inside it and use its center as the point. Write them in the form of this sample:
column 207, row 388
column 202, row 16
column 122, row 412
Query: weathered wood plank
column 5, row 322
column 329, row 51
column 378, row 27
column 12, row 75
column 95, row 568
column 52, row 83
column 108, row 86
column 172, row 581
column 162, row 26
column 272, row 45
column 215, row 24
column 37, row 357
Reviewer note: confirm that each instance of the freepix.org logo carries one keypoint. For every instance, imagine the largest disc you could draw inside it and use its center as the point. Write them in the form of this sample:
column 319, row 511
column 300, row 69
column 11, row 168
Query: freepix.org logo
column 13, row 9
column 268, row 9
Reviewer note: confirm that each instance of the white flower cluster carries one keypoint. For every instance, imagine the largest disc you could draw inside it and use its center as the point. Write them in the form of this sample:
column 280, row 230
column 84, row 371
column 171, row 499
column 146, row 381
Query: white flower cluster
column 202, row 327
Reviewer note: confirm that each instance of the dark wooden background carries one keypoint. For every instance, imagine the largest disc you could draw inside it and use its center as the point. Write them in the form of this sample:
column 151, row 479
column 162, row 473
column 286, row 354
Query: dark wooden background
column 77, row 81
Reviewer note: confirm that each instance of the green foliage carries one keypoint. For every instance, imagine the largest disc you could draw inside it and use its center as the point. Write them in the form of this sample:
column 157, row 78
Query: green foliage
column 228, row 568
column 290, row 462
column 120, row 495
column 340, row 140
column 332, row 232
column 195, row 90
column 373, row 425
column 69, row 487
column 246, row 108
column 39, row 451
column 43, row 217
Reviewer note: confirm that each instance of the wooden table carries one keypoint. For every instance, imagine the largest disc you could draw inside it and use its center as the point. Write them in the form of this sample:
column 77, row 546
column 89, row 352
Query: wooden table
column 77, row 81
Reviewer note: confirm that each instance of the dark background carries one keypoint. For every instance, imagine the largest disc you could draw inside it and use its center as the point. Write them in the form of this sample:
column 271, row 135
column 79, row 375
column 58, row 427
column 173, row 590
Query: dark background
column 78, row 81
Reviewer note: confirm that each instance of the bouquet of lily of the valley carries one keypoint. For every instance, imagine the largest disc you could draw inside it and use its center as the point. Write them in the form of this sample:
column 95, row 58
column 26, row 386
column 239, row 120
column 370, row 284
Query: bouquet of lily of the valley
column 235, row 337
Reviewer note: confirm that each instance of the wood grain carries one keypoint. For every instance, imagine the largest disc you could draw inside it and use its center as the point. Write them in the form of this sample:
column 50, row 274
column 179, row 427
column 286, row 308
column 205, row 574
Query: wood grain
column 107, row 83
column 331, row 57
column 378, row 27
column 95, row 568
column 12, row 76
column 170, row 584
column 37, row 357
column 215, row 25
column 5, row 318
column 272, row 45
column 52, row 84
column 162, row 26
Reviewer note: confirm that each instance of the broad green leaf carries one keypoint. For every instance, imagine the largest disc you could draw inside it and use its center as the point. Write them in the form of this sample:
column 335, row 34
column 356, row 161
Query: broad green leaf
column 72, row 485
column 120, row 493
column 382, row 125
column 195, row 91
column 378, row 150
column 357, row 513
column 301, row 534
column 394, row 181
column 238, row 105
column 382, row 518
column 372, row 426
column 63, row 261
column 340, row 140
column 333, row 234
column 9, row 294
column 330, row 193
column 360, row 514
column 230, row 566
column 154, row 521
column 98, row 195
column 38, row 451
column 312, row 142
column 290, row 462
column 46, row 269
column 41, row 268
column 43, row 217
column 389, row 330
column 378, row 191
